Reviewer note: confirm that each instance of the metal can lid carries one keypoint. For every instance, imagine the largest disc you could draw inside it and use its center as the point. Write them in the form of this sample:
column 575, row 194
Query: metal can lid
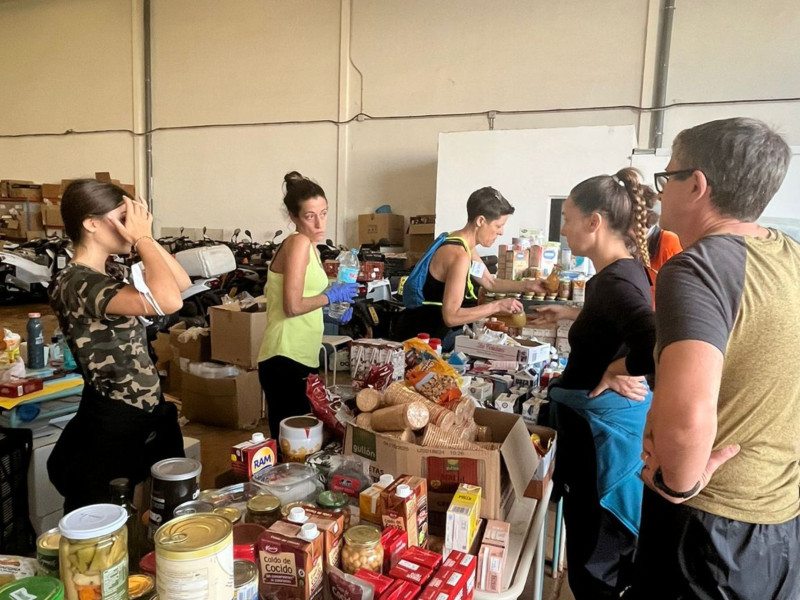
column 192, row 532
column 263, row 503
column 92, row 521
column 329, row 499
column 243, row 572
column 231, row 513
column 140, row 584
column 49, row 539
column 176, row 469
column 362, row 535
column 35, row 588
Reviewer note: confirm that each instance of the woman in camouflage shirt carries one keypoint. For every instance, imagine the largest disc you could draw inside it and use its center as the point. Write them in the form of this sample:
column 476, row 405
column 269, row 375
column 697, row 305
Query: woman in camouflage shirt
column 123, row 424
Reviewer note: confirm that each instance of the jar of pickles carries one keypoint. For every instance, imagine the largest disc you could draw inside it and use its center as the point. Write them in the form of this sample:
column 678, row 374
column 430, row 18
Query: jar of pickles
column 93, row 552
column 362, row 549
column 337, row 502
column 263, row 509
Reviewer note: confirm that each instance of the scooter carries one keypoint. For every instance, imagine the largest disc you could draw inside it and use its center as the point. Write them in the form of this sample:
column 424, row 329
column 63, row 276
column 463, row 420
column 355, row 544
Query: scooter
column 27, row 269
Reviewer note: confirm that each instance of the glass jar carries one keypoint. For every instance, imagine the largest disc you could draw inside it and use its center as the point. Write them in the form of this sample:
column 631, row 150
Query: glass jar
column 362, row 549
column 263, row 509
column 93, row 552
column 336, row 502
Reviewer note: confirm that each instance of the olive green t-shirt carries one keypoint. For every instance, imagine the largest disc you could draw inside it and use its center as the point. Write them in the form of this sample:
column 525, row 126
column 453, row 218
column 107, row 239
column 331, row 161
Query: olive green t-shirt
column 742, row 295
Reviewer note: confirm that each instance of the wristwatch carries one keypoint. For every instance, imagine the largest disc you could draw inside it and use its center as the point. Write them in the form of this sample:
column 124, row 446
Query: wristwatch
column 658, row 481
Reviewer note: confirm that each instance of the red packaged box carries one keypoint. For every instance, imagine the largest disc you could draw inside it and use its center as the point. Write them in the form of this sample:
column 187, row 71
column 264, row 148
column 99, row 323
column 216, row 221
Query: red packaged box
column 381, row 583
column 20, row 387
column 395, row 543
column 423, row 557
column 466, row 565
column 254, row 455
column 402, row 590
column 408, row 571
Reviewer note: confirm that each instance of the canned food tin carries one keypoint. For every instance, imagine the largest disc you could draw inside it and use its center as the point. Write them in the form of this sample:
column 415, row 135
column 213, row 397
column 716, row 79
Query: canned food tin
column 245, row 580
column 174, row 482
column 47, row 551
column 33, row 588
column 192, row 507
column 194, row 558
column 231, row 513
column 140, row 585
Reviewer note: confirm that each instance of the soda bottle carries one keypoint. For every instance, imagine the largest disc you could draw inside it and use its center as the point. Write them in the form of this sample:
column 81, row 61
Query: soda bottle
column 35, row 342
column 348, row 273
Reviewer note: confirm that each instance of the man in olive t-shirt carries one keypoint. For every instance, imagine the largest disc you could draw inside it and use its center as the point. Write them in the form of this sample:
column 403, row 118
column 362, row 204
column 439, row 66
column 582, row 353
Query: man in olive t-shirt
column 722, row 441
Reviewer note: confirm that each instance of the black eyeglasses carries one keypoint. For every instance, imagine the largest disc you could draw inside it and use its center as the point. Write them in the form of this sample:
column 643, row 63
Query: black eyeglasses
column 662, row 178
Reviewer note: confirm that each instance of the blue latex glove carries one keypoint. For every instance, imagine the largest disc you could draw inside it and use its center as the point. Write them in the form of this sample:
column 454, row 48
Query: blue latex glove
column 341, row 292
column 345, row 318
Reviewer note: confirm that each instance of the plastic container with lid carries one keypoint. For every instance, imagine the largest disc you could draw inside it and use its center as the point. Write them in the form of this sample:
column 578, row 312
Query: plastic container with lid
column 263, row 509
column 299, row 437
column 93, row 551
column 237, row 495
column 291, row 482
column 362, row 549
column 33, row 588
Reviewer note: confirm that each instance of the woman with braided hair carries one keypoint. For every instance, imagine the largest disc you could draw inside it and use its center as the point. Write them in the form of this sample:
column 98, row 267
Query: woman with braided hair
column 600, row 403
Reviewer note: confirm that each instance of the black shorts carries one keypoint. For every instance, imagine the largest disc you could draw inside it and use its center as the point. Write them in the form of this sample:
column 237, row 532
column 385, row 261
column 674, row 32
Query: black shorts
column 688, row 553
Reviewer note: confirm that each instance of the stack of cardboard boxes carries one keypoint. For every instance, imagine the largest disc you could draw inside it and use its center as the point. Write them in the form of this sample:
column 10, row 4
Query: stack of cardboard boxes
column 234, row 338
column 515, row 262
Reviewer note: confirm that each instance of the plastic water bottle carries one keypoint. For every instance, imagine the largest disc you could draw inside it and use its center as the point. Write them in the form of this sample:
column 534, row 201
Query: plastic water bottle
column 35, row 341
column 348, row 273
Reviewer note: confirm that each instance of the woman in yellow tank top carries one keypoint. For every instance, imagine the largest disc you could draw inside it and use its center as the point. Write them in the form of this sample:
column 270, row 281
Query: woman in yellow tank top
column 296, row 292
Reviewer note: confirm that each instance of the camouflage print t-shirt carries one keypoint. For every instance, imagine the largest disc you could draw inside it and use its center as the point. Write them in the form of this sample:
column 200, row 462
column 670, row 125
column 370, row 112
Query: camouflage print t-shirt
column 110, row 350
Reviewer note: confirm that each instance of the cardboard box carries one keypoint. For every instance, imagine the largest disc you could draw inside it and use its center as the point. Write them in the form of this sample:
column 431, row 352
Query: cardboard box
column 422, row 220
column 64, row 185
column 17, row 188
column 545, row 465
column 193, row 350
column 51, row 190
column 528, row 352
column 236, row 336
column 514, row 462
column 233, row 402
column 51, row 215
column 420, row 236
column 375, row 227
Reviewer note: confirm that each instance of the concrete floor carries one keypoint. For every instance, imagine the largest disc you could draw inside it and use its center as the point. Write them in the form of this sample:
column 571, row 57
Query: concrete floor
column 216, row 442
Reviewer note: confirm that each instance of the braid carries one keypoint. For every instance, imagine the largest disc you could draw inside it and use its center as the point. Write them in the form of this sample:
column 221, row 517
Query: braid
column 640, row 225
column 638, row 196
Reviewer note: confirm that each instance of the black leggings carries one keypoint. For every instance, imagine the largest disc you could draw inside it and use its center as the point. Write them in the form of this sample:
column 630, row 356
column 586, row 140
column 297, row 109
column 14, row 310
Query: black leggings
column 284, row 383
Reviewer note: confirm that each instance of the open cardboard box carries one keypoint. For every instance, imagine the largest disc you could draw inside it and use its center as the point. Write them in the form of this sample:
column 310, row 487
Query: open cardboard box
column 544, row 470
column 515, row 462
column 235, row 335
column 527, row 352
column 233, row 402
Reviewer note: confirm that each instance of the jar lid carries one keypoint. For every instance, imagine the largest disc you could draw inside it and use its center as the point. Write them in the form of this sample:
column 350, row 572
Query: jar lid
column 231, row 513
column 308, row 531
column 329, row 499
column 34, row 315
column 263, row 503
column 92, row 521
column 297, row 515
column 403, row 490
column 257, row 437
column 176, row 469
column 139, row 585
column 362, row 535
column 37, row 588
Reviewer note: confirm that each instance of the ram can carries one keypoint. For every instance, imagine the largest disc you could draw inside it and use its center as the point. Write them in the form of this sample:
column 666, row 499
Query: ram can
column 245, row 580
column 194, row 558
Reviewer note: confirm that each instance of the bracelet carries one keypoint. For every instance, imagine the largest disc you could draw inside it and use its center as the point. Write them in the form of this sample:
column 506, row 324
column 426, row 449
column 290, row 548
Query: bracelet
column 144, row 237
column 658, row 481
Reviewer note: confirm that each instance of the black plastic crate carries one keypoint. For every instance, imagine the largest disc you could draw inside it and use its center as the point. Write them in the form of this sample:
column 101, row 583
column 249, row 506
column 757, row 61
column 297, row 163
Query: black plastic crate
column 16, row 532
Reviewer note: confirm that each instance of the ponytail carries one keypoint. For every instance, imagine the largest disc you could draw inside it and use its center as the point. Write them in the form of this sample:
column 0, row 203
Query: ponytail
column 640, row 197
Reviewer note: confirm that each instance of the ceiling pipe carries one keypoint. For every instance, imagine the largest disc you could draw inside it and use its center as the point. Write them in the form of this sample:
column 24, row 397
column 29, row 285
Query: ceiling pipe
column 661, row 74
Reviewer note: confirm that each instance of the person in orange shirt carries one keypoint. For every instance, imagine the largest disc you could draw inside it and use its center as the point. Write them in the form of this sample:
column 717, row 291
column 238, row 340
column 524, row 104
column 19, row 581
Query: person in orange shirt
column 661, row 245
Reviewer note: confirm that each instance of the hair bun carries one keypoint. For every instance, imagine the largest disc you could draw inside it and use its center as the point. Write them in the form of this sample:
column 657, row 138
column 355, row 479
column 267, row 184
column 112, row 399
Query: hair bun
column 292, row 177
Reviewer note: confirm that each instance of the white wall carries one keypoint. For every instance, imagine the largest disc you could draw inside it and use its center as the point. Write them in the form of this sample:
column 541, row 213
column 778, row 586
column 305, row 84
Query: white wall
column 73, row 65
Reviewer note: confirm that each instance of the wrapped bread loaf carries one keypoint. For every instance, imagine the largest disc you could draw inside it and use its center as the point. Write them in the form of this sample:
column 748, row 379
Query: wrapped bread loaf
column 397, row 393
column 413, row 415
column 364, row 421
column 464, row 409
column 440, row 416
column 368, row 400
column 436, row 437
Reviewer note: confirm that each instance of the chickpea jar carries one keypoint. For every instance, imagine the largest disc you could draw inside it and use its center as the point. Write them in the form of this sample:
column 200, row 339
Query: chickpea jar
column 362, row 549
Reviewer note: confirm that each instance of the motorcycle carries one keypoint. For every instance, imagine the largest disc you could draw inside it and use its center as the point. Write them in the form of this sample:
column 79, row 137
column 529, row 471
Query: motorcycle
column 27, row 269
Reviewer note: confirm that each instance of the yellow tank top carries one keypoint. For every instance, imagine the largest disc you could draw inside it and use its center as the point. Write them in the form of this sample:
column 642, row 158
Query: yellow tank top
column 297, row 337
